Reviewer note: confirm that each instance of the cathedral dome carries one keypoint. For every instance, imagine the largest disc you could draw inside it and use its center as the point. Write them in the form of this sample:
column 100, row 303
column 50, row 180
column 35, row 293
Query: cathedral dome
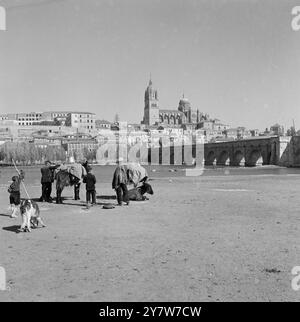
column 184, row 104
column 184, row 100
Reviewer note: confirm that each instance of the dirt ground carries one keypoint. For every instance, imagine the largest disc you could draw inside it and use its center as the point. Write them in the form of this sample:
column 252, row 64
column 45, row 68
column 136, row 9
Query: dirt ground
column 207, row 238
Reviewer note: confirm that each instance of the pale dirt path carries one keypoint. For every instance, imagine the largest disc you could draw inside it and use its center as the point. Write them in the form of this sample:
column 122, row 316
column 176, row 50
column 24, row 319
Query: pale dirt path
column 197, row 239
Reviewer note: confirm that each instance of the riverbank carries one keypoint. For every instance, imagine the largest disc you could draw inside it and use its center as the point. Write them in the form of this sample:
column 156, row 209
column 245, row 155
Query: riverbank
column 216, row 237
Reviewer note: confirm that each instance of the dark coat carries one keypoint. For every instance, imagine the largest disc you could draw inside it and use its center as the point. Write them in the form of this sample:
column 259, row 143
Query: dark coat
column 90, row 181
column 120, row 176
column 48, row 174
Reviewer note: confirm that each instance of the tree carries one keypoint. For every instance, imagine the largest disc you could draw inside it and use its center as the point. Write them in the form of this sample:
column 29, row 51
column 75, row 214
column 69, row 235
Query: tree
column 291, row 131
column 2, row 155
column 89, row 155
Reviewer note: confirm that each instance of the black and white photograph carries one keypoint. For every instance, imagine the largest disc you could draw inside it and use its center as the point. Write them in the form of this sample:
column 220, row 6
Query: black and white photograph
column 149, row 153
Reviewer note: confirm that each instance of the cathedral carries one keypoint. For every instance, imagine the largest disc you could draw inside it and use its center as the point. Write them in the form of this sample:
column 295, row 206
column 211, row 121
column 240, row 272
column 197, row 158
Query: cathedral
column 154, row 116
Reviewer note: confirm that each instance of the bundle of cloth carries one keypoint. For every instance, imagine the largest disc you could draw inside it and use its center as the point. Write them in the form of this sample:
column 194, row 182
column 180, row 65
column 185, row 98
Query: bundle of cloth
column 136, row 173
column 77, row 170
column 131, row 173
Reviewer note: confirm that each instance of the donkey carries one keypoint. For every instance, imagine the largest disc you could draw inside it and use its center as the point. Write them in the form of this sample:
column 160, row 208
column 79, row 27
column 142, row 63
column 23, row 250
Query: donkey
column 137, row 194
column 64, row 179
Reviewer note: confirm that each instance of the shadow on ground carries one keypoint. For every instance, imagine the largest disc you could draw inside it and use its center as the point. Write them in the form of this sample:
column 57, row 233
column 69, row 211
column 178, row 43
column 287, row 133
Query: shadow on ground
column 4, row 215
column 107, row 197
column 13, row 229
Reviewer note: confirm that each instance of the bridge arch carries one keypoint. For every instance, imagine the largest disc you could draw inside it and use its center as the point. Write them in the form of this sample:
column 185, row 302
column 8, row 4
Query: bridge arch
column 224, row 158
column 297, row 157
column 210, row 158
column 254, row 158
column 238, row 158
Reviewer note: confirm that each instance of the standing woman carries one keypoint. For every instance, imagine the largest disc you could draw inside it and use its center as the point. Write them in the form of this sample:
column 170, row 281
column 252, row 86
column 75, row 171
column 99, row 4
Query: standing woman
column 119, row 184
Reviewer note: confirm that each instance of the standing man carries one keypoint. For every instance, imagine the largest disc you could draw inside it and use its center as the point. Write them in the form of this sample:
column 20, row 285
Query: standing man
column 119, row 184
column 86, row 165
column 47, row 180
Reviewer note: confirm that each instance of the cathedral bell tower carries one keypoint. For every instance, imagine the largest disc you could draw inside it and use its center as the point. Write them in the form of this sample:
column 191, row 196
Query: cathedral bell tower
column 151, row 110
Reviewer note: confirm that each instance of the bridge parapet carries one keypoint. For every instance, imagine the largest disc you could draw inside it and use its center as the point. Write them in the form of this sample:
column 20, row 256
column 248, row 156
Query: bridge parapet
column 249, row 152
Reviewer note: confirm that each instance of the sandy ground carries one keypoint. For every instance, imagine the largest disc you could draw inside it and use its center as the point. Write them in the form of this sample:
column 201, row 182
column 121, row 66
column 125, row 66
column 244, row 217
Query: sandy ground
column 210, row 238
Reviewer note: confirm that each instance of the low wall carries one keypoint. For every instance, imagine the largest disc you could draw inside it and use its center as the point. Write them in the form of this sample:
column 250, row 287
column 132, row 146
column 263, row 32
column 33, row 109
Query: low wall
column 291, row 153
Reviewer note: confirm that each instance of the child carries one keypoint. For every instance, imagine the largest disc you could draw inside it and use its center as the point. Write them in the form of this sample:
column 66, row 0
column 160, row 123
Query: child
column 14, row 194
column 90, row 181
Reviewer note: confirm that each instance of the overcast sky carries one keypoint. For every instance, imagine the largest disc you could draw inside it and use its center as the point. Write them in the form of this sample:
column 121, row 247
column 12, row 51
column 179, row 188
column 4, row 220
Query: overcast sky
column 238, row 61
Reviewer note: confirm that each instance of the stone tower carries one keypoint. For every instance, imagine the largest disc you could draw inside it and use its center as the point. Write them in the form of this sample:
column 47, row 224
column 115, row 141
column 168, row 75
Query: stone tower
column 185, row 107
column 151, row 111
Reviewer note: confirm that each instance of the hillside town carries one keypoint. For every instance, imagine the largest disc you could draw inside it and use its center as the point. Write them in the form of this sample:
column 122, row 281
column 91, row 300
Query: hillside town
column 78, row 134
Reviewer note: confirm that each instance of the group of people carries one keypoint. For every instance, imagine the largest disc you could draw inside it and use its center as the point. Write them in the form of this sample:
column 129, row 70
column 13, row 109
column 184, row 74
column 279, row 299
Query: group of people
column 79, row 172
column 124, row 175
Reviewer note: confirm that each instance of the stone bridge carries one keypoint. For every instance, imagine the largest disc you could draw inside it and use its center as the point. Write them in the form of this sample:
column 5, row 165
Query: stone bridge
column 249, row 153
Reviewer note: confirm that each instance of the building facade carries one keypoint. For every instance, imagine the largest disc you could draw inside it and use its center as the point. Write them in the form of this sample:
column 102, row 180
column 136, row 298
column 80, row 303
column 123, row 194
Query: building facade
column 60, row 116
column 27, row 119
column 102, row 125
column 82, row 120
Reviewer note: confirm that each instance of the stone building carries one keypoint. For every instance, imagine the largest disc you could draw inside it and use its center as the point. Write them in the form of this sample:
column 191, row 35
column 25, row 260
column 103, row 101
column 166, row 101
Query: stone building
column 154, row 115
column 151, row 109
column 82, row 120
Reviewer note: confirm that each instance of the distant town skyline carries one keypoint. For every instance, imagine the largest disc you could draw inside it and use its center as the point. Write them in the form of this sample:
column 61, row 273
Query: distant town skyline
column 238, row 61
